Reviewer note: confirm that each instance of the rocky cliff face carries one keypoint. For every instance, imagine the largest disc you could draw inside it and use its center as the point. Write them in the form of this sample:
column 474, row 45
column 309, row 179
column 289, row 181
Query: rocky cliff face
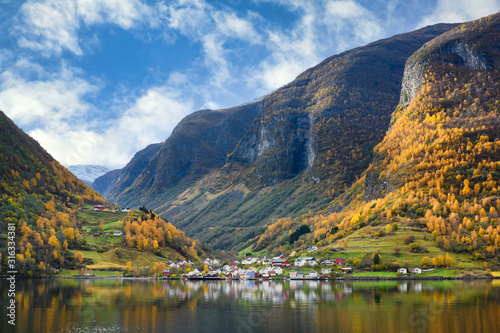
column 454, row 48
column 328, row 120
column 278, row 149
column 471, row 50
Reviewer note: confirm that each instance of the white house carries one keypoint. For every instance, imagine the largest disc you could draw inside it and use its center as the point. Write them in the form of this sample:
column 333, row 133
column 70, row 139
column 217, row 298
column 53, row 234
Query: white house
column 402, row 271
column 416, row 270
column 278, row 270
column 312, row 248
column 346, row 270
column 266, row 262
column 247, row 261
column 313, row 274
column 311, row 261
column 117, row 233
column 326, row 270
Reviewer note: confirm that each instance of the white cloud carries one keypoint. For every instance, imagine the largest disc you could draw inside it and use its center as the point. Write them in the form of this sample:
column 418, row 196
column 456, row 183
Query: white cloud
column 55, row 107
column 52, row 26
column 455, row 11
column 323, row 29
column 151, row 119
column 57, row 97
column 58, row 107
column 213, row 29
column 345, row 9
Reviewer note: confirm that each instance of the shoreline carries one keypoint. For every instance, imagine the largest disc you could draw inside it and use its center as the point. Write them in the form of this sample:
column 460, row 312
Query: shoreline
column 343, row 279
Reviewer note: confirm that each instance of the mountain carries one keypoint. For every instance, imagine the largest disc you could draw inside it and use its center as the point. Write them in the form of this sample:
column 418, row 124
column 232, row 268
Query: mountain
column 436, row 172
column 299, row 148
column 88, row 173
column 38, row 197
column 51, row 212
column 114, row 182
column 198, row 145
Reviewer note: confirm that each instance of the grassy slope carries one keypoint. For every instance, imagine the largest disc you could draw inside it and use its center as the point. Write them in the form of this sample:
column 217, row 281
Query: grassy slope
column 113, row 257
column 359, row 247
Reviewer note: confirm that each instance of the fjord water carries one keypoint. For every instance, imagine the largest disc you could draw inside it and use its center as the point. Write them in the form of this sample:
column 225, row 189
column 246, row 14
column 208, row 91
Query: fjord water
column 61, row 305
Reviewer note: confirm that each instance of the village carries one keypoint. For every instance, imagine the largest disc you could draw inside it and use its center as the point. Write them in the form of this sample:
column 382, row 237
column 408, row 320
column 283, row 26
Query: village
column 278, row 268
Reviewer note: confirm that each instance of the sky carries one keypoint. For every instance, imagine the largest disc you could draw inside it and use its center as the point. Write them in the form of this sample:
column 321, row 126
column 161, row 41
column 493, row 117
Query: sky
column 95, row 81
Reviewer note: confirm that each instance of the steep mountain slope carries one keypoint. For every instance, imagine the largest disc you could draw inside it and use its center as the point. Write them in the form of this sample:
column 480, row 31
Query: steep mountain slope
column 38, row 197
column 112, row 183
column 436, row 171
column 311, row 139
column 88, row 173
column 42, row 211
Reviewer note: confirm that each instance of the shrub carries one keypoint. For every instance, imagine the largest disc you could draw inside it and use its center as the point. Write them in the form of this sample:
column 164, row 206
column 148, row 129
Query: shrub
column 426, row 262
column 409, row 239
column 356, row 262
column 416, row 248
column 394, row 266
column 379, row 267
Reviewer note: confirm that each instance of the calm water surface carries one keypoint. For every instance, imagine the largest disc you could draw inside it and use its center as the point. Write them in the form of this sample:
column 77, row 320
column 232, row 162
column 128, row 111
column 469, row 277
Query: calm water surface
column 57, row 305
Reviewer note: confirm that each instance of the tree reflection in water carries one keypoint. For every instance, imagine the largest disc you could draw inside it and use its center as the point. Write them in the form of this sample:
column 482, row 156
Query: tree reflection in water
column 57, row 305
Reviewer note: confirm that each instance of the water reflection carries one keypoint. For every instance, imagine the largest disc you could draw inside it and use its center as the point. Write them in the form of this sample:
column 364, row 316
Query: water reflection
column 253, row 306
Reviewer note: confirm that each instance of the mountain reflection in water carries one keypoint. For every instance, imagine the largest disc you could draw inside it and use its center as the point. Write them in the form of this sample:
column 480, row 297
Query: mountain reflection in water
column 60, row 305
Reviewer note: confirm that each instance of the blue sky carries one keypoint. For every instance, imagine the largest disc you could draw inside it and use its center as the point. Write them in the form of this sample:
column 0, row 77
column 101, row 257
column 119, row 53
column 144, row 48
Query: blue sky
column 94, row 81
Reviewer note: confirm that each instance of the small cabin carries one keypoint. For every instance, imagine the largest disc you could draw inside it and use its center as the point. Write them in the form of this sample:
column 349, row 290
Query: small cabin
column 117, row 233
column 346, row 270
column 98, row 208
column 340, row 261
column 416, row 270
column 326, row 270
column 281, row 263
column 402, row 271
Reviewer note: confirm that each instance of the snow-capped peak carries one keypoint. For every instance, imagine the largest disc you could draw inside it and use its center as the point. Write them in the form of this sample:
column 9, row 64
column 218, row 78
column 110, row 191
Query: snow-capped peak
column 88, row 173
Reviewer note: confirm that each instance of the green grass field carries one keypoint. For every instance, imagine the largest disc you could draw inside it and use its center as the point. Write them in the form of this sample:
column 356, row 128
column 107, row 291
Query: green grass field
column 361, row 245
column 117, row 258
column 72, row 273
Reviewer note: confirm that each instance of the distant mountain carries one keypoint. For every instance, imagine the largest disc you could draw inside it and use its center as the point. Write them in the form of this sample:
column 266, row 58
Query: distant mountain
column 115, row 182
column 88, row 173
column 289, row 153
